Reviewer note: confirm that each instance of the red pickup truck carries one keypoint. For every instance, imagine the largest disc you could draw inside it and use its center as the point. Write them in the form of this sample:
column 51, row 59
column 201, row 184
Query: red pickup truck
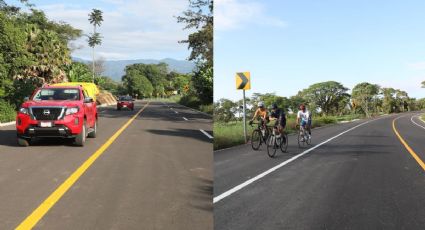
column 57, row 111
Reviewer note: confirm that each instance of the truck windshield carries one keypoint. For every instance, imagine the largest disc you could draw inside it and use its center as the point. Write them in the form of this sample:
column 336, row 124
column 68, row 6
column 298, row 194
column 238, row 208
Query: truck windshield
column 57, row 94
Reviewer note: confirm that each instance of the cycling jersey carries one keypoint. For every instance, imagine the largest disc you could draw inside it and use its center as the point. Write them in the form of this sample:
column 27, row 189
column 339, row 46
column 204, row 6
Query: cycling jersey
column 261, row 113
column 280, row 116
column 304, row 115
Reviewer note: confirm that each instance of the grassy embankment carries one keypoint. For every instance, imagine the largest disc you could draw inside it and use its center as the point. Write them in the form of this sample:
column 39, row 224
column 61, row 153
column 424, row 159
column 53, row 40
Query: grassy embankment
column 189, row 101
column 231, row 133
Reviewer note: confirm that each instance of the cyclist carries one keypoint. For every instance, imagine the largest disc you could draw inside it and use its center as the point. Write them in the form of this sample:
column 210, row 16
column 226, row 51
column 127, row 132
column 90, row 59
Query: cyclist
column 280, row 117
column 261, row 112
column 304, row 119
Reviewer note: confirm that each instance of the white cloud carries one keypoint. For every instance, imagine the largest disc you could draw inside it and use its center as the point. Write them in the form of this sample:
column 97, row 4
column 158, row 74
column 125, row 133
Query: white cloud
column 131, row 29
column 232, row 14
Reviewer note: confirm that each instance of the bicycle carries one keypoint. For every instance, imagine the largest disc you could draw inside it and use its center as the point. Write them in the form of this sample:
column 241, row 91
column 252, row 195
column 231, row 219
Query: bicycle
column 303, row 137
column 259, row 135
column 275, row 141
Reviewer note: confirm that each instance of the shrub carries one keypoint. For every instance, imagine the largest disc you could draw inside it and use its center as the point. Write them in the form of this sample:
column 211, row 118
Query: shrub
column 190, row 101
column 7, row 112
column 207, row 109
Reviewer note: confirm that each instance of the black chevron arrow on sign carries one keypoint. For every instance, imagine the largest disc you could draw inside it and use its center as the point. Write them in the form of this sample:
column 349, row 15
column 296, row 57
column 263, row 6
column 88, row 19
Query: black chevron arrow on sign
column 244, row 80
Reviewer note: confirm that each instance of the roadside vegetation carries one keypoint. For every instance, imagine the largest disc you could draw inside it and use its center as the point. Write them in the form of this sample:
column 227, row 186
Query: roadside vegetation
column 329, row 103
column 35, row 51
column 194, row 90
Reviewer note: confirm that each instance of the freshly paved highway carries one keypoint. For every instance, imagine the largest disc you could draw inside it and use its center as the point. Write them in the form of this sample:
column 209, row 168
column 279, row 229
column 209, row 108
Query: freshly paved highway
column 363, row 179
column 156, row 175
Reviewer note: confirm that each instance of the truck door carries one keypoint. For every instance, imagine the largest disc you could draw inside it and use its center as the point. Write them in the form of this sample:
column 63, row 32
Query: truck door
column 88, row 110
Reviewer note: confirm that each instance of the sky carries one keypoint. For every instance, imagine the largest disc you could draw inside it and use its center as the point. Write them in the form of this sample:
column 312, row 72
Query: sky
column 132, row 29
column 289, row 45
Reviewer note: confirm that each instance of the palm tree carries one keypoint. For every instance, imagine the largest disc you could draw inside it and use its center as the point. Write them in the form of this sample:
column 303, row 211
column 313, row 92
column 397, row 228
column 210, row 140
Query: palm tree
column 96, row 19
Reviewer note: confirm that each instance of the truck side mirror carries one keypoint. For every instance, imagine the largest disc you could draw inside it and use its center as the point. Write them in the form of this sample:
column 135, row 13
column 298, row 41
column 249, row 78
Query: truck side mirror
column 88, row 100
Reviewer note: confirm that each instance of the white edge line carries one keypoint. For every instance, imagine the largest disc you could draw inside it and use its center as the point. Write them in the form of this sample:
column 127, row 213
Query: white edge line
column 414, row 122
column 206, row 134
column 7, row 123
column 265, row 173
column 176, row 112
column 185, row 118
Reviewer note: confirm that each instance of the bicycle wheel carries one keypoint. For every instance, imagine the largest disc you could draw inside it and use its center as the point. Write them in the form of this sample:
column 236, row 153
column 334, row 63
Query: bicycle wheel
column 308, row 141
column 301, row 140
column 284, row 143
column 256, row 139
column 271, row 145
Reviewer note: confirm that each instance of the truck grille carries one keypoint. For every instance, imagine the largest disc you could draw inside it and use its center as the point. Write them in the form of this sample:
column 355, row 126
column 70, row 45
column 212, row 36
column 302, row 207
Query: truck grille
column 47, row 113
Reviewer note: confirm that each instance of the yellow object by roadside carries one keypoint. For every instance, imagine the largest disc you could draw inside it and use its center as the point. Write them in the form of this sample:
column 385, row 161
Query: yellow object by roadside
column 90, row 88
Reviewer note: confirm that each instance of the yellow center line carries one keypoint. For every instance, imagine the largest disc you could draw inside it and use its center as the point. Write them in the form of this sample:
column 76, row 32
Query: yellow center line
column 414, row 155
column 48, row 203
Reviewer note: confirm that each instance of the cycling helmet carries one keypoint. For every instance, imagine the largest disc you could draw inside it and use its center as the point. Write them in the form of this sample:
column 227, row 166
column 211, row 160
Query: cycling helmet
column 274, row 106
column 261, row 104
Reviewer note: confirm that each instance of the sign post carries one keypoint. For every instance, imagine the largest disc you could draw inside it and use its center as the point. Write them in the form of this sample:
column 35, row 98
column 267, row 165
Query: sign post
column 243, row 82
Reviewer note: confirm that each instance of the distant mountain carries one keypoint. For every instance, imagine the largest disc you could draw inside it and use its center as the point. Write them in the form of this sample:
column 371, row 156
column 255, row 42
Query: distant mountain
column 115, row 69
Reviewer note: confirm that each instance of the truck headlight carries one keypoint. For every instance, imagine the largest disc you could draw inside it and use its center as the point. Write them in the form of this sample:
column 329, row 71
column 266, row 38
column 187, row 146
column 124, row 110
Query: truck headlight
column 72, row 110
column 24, row 110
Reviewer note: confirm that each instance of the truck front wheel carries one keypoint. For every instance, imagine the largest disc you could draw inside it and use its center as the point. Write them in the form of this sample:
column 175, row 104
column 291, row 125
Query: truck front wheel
column 23, row 142
column 80, row 139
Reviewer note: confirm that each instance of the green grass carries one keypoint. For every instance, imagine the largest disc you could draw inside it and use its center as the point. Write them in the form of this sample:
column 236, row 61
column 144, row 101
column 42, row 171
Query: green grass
column 231, row 133
column 423, row 117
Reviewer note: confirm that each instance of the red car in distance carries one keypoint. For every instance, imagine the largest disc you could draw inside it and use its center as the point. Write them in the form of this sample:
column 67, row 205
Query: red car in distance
column 125, row 102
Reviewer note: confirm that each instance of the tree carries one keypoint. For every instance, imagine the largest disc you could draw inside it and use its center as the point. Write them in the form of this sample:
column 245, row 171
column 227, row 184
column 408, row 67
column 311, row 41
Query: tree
column 423, row 84
column 388, row 102
column 329, row 96
column 78, row 72
column 225, row 110
column 136, row 83
column 199, row 16
column 96, row 19
column 402, row 100
column 34, row 51
column 363, row 95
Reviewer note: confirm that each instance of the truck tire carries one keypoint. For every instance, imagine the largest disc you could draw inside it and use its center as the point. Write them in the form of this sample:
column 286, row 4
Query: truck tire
column 23, row 142
column 93, row 130
column 81, row 137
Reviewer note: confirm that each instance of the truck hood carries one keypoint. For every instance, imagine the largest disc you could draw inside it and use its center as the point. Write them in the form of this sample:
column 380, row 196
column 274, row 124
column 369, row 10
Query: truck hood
column 52, row 103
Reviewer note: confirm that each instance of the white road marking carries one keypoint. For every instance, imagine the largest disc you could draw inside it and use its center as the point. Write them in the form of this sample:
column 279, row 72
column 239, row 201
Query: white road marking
column 420, row 118
column 176, row 112
column 185, row 118
column 259, row 176
column 414, row 122
column 206, row 134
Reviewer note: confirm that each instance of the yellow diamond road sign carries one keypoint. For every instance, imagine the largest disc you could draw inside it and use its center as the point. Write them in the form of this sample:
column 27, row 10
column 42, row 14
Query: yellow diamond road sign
column 243, row 80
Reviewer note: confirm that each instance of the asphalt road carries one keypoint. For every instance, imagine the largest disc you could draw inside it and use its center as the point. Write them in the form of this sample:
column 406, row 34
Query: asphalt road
column 156, row 175
column 363, row 179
